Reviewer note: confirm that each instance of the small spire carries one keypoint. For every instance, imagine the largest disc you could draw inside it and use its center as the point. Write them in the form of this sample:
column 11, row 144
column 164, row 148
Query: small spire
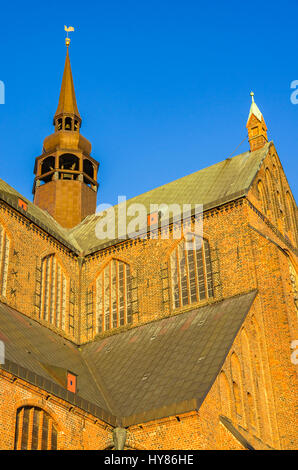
column 254, row 109
column 67, row 100
column 256, row 127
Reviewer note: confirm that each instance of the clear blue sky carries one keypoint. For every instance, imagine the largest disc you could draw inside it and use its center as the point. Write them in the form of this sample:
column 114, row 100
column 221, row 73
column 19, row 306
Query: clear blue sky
column 162, row 85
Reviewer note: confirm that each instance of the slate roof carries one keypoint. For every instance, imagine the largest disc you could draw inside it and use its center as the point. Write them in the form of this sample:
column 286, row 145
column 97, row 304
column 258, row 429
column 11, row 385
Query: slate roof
column 220, row 183
column 151, row 371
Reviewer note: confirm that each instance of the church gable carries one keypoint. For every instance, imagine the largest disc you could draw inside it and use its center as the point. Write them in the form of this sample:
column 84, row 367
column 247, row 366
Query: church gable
column 272, row 196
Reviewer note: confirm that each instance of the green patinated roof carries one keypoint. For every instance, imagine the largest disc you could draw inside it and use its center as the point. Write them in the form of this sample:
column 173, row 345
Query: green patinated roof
column 220, row 183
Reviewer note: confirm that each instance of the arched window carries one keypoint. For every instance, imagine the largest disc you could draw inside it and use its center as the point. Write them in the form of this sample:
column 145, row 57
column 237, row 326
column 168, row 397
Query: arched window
column 68, row 124
column 53, row 292
column 68, row 162
column 248, row 379
column 48, row 164
column 225, row 395
column 4, row 259
column 291, row 209
column 113, row 296
column 251, row 409
column 88, row 168
column 279, row 204
column 262, row 195
column 271, row 194
column 237, row 384
column 35, row 430
column 191, row 271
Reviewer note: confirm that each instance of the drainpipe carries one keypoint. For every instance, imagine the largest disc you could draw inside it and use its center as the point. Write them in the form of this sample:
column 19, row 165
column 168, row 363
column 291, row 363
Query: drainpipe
column 119, row 438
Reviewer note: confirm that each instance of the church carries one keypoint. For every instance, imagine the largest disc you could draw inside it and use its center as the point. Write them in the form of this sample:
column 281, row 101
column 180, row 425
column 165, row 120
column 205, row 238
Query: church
column 172, row 338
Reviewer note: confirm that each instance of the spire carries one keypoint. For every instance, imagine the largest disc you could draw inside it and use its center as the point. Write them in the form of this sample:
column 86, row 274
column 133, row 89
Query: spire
column 67, row 100
column 65, row 184
column 254, row 109
column 256, row 127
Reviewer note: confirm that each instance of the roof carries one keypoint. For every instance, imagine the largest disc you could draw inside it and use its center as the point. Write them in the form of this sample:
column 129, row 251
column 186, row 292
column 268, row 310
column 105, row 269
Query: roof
column 254, row 109
column 213, row 186
column 151, row 371
column 218, row 184
column 67, row 100
column 32, row 350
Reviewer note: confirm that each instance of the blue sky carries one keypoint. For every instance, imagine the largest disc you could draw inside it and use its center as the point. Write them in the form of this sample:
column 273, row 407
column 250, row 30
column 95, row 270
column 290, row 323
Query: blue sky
column 162, row 86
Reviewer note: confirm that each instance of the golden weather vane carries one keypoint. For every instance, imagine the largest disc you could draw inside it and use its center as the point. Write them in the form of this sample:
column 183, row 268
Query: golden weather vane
column 68, row 29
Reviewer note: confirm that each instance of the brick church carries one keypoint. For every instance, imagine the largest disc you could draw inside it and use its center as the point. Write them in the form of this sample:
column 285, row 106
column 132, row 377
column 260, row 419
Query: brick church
column 143, row 342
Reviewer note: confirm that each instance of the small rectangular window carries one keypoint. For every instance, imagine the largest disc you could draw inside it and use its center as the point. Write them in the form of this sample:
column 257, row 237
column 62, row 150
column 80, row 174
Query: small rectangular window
column 71, row 382
column 22, row 204
column 153, row 219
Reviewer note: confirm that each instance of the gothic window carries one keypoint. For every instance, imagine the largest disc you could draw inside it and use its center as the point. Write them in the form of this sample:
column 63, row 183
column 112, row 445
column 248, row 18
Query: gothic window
column 262, row 195
column 53, row 292
column 249, row 382
column 113, row 296
column 35, row 430
column 191, row 271
column 4, row 259
column 271, row 193
column 237, row 385
column 225, row 395
column 291, row 209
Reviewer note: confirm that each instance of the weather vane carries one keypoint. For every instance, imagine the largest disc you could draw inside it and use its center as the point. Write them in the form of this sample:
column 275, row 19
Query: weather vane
column 68, row 29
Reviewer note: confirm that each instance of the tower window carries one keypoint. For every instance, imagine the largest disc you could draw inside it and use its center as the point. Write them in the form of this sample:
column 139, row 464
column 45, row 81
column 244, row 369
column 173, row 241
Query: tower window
column 68, row 124
column 4, row 259
column 68, row 162
column 35, row 430
column 47, row 165
column 88, row 168
column 113, row 296
column 59, row 124
column 53, row 292
column 76, row 125
column 191, row 271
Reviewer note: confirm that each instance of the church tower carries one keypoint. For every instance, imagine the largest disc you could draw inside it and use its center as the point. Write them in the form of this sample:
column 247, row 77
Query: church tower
column 65, row 184
column 256, row 127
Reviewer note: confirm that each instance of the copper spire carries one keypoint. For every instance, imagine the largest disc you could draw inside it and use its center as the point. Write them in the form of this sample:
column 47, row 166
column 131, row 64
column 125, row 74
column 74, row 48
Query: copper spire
column 67, row 100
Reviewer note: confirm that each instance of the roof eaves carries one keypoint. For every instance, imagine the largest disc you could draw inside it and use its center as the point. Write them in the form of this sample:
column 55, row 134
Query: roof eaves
column 58, row 391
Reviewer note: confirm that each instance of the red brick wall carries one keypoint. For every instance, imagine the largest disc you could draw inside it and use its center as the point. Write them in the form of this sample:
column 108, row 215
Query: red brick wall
column 76, row 429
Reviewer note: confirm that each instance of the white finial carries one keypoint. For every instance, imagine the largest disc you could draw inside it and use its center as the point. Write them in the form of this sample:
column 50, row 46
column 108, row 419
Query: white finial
column 252, row 96
column 69, row 29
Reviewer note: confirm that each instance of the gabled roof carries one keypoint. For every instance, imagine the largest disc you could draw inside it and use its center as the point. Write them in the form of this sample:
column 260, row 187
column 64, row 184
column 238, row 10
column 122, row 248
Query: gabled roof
column 218, row 184
column 151, row 371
